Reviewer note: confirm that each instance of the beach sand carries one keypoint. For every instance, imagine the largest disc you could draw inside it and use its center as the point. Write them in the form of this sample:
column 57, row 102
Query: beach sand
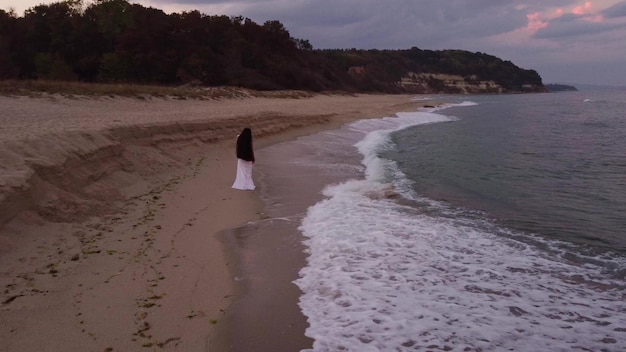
column 120, row 230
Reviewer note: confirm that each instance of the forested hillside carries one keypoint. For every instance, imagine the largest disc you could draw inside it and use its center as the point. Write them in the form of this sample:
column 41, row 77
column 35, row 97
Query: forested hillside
column 118, row 42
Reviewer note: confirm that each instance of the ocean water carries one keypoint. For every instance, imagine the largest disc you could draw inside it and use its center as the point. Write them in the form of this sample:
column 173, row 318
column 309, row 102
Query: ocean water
column 490, row 223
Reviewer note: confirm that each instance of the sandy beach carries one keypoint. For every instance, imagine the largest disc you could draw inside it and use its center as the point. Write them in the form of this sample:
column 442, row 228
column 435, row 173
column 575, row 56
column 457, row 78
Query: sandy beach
column 114, row 214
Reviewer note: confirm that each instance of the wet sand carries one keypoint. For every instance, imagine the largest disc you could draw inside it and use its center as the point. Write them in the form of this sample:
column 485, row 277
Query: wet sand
column 264, row 314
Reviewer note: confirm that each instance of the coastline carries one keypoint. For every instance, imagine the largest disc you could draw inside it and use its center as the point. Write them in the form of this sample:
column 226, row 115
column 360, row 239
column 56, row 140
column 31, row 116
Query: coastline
column 268, row 253
column 110, row 228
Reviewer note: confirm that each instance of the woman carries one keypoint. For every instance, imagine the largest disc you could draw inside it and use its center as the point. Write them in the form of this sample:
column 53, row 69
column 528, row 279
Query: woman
column 245, row 161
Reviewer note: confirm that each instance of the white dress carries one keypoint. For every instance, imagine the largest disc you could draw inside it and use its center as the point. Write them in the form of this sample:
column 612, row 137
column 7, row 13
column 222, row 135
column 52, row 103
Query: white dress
column 244, row 180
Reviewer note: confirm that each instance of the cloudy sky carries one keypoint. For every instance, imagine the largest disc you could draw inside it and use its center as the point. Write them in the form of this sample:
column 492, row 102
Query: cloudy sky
column 566, row 41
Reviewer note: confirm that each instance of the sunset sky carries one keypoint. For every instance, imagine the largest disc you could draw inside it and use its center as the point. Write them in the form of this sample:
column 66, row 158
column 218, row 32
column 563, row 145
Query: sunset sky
column 566, row 41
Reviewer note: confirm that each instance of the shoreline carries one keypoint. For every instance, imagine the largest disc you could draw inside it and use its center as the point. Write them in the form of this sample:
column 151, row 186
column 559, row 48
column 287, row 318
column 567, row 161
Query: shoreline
column 120, row 223
column 268, row 253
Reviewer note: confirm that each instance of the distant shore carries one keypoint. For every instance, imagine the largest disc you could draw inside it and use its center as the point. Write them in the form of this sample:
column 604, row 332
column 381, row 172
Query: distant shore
column 109, row 209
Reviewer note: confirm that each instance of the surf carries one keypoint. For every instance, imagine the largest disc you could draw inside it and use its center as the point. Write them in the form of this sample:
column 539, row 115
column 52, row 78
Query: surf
column 389, row 269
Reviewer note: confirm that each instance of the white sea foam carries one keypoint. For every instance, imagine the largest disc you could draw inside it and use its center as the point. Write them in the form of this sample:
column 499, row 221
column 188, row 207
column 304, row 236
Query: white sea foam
column 382, row 276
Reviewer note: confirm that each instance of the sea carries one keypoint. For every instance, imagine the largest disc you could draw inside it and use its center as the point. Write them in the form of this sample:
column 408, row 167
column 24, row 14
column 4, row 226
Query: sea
column 484, row 223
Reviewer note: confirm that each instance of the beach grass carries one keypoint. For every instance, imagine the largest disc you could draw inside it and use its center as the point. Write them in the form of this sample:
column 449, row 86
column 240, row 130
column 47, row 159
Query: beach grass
column 38, row 88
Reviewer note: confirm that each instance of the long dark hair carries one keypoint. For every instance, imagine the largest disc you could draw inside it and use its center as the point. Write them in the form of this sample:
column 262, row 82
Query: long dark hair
column 244, row 145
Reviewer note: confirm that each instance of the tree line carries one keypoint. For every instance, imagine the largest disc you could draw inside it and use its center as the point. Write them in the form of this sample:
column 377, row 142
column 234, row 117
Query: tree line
column 114, row 41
